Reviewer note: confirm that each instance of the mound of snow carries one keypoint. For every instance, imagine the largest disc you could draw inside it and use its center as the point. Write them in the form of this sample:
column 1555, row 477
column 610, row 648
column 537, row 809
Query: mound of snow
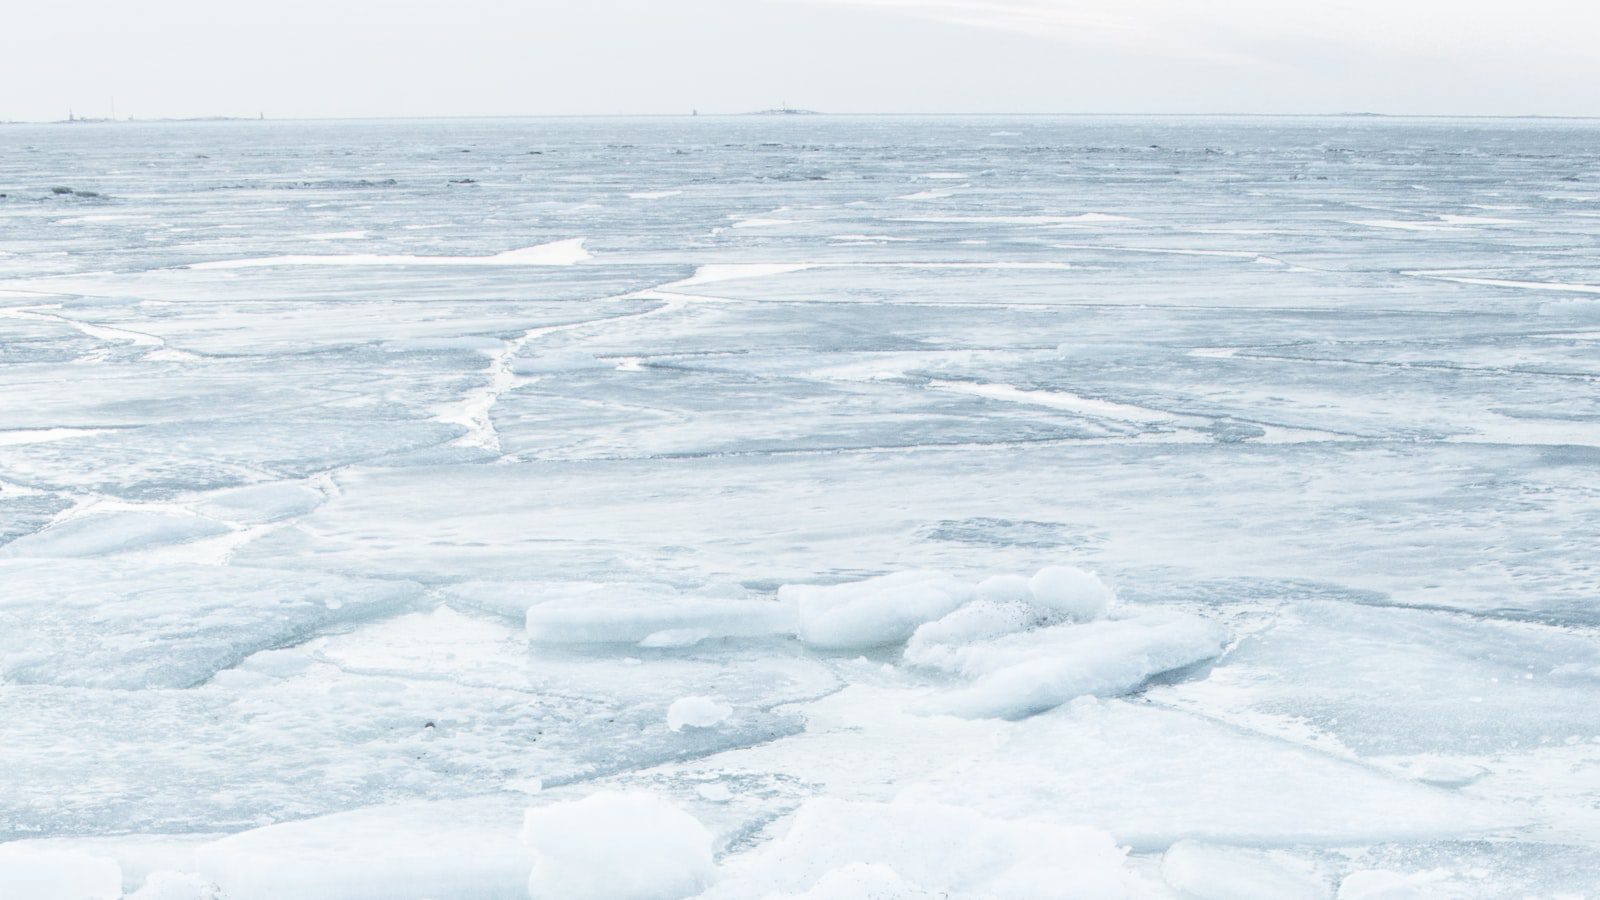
column 616, row 846
column 1070, row 591
column 834, row 848
column 697, row 712
column 39, row 873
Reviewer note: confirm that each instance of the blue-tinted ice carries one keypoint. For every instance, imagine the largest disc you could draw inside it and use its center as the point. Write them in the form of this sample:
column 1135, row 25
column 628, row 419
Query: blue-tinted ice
column 364, row 483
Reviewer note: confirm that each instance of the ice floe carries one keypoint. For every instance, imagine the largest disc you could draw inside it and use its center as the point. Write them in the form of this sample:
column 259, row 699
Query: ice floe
column 99, row 534
column 100, row 624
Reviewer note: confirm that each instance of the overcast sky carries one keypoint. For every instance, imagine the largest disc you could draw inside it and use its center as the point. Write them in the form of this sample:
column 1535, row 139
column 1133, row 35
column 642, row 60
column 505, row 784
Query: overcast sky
column 305, row 58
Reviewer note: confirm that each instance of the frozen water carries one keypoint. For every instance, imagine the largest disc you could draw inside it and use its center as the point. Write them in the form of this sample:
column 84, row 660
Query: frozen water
column 1232, row 482
column 931, row 850
column 613, row 846
column 98, row 624
column 1217, row 872
column 49, row 874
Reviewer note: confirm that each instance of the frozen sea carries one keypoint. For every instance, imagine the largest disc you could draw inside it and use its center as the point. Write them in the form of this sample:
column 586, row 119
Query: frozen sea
column 800, row 506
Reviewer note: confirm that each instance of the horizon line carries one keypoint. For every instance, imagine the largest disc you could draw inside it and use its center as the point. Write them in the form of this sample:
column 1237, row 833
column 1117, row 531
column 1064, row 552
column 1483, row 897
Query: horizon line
column 793, row 113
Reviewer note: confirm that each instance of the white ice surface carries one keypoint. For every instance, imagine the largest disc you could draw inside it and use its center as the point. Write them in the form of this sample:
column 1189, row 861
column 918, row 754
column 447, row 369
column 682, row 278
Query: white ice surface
column 335, row 535
column 30, row 872
column 555, row 253
column 615, row 846
column 929, row 849
column 97, row 624
column 465, row 850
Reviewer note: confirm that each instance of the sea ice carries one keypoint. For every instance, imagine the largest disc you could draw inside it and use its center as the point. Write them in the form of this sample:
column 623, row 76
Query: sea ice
column 1218, row 872
column 37, row 873
column 940, row 850
column 1029, row 672
column 329, row 578
column 127, row 626
column 555, row 253
column 465, row 849
column 99, row 534
column 615, row 846
column 875, row 612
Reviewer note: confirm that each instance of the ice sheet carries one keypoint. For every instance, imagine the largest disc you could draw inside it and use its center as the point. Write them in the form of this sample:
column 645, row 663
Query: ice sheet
column 317, row 502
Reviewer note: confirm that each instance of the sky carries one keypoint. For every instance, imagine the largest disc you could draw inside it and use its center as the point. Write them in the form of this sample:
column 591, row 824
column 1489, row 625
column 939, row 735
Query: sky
column 350, row 58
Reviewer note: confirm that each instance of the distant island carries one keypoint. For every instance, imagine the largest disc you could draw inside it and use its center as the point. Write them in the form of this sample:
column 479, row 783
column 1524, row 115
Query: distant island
column 785, row 111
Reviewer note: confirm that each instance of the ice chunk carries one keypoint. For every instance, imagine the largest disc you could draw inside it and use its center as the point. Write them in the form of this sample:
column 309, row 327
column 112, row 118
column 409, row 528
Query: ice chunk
column 103, row 624
column 114, row 532
column 1027, row 672
column 696, row 712
column 1073, row 592
column 944, row 643
column 943, row 850
column 37, row 873
column 460, row 849
column 616, row 846
column 874, row 612
column 1219, row 872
